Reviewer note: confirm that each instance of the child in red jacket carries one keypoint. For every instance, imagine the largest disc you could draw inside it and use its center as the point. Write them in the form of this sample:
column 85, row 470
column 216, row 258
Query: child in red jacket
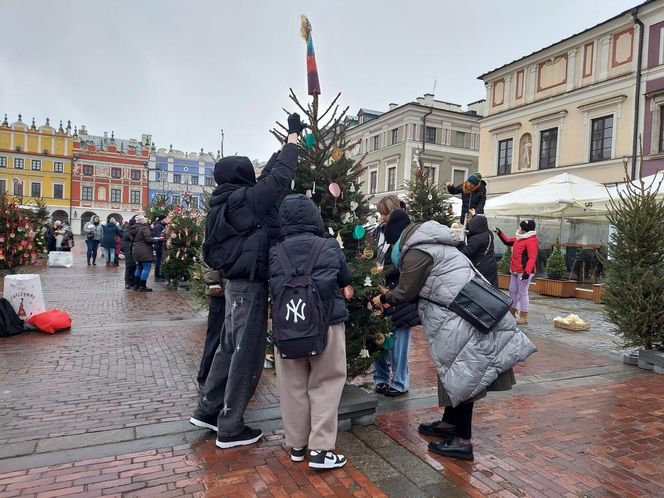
column 522, row 267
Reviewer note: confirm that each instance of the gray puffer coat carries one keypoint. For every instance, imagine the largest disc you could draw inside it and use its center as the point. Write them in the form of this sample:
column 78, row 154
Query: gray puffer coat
column 466, row 359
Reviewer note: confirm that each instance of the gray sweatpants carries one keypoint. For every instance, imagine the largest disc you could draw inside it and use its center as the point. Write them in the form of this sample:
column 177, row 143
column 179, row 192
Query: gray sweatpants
column 238, row 361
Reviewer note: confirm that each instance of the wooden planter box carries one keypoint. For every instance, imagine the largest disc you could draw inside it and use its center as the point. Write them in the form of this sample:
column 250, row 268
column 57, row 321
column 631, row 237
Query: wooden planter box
column 503, row 281
column 556, row 288
column 598, row 293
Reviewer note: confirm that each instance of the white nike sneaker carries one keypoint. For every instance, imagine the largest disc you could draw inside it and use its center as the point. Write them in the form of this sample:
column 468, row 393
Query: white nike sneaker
column 321, row 459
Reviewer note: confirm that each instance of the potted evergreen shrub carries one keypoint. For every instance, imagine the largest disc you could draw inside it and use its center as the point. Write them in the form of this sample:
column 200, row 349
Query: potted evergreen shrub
column 555, row 265
column 634, row 285
column 504, row 269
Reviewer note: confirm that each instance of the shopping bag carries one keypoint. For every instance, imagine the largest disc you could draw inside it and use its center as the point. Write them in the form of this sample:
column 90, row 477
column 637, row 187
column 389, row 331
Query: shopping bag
column 24, row 293
column 51, row 321
column 60, row 259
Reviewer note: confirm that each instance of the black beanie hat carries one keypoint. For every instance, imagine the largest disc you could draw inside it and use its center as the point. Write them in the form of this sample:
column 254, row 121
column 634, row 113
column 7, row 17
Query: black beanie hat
column 234, row 169
column 527, row 225
column 395, row 225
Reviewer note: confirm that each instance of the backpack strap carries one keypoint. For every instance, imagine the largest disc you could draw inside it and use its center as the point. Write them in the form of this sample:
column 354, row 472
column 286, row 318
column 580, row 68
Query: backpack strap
column 313, row 256
column 283, row 259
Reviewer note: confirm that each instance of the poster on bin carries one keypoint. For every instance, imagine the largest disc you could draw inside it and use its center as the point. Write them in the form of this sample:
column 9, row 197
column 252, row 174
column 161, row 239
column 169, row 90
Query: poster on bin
column 24, row 293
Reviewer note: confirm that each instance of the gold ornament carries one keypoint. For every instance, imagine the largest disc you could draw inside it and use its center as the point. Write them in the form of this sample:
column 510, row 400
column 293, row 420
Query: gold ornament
column 337, row 154
column 380, row 339
column 368, row 252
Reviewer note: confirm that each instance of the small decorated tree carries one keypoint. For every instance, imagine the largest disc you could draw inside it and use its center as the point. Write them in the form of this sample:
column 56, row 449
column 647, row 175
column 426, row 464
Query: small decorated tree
column 505, row 262
column 159, row 205
column 17, row 235
column 184, row 237
column 425, row 198
column 555, row 264
column 634, row 286
column 39, row 217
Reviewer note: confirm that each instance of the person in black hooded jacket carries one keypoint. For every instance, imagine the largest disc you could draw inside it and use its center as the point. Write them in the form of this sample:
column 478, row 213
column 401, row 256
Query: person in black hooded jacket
column 479, row 248
column 310, row 388
column 248, row 211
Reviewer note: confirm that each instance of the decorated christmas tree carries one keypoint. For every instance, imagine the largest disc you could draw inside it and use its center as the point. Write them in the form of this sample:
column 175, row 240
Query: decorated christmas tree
column 425, row 198
column 328, row 175
column 184, row 237
column 39, row 216
column 17, row 235
column 159, row 205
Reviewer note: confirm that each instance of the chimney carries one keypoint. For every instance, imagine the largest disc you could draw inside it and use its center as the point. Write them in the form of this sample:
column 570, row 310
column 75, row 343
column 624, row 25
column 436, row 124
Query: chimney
column 105, row 134
column 428, row 99
column 393, row 106
column 420, row 100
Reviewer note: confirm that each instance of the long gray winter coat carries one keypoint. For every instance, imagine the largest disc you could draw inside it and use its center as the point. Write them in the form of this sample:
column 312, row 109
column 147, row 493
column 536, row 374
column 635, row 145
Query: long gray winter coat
column 466, row 359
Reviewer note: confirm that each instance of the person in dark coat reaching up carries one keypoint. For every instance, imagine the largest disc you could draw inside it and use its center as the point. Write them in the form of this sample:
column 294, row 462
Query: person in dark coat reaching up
column 473, row 194
column 479, row 248
column 242, row 224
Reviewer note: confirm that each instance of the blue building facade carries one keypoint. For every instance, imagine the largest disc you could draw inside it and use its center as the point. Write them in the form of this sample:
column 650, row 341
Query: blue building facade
column 178, row 175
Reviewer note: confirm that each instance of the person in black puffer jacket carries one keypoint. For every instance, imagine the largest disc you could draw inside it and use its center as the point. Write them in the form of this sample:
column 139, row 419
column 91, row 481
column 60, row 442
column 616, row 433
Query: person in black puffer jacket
column 404, row 316
column 479, row 248
column 242, row 224
column 310, row 388
column 130, row 265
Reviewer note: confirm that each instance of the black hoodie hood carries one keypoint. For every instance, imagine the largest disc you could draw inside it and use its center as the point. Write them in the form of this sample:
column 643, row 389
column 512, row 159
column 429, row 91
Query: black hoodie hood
column 237, row 170
column 299, row 214
column 478, row 224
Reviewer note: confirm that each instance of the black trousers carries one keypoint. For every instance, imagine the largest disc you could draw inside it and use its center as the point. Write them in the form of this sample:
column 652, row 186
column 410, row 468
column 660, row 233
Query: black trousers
column 216, row 314
column 460, row 417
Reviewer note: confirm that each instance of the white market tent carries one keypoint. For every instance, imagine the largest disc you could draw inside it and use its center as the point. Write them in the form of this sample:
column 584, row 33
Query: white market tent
column 650, row 182
column 562, row 196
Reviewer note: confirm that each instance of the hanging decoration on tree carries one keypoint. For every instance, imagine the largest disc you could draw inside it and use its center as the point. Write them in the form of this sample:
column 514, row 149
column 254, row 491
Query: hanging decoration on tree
column 309, row 140
column 368, row 252
column 359, row 232
column 337, row 154
column 312, row 70
column 334, row 189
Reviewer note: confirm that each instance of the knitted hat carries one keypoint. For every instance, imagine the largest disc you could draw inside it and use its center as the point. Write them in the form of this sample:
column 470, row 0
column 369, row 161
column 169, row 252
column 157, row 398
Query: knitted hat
column 140, row 218
column 397, row 223
column 527, row 225
column 475, row 178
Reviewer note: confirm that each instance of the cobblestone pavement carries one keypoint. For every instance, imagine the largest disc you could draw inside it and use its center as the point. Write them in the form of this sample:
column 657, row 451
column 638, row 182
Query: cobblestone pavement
column 102, row 411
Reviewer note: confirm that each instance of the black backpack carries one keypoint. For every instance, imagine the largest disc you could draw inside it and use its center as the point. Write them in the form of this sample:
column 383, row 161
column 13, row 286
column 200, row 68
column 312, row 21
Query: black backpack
column 225, row 246
column 299, row 320
column 10, row 323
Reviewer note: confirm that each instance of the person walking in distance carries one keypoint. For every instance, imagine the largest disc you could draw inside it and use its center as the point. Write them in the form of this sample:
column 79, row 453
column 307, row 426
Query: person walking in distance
column 525, row 246
column 108, row 240
column 142, row 252
column 158, row 231
column 93, row 234
column 242, row 224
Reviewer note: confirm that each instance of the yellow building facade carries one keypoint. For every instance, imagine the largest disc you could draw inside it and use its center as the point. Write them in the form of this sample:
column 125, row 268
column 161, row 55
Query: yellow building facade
column 35, row 162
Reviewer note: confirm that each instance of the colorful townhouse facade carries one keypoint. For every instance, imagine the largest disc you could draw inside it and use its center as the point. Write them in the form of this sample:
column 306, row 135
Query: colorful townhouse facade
column 443, row 134
column 108, row 180
column 35, row 162
column 182, row 178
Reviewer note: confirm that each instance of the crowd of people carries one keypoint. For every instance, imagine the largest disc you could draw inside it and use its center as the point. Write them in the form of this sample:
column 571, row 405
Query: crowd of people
column 256, row 245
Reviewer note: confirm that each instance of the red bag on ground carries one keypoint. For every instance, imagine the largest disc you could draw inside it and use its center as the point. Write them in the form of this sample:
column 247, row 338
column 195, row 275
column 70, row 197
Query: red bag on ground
column 51, row 321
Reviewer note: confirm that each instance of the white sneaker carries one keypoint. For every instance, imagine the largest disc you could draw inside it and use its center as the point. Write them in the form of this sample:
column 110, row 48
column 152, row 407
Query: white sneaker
column 321, row 459
column 297, row 454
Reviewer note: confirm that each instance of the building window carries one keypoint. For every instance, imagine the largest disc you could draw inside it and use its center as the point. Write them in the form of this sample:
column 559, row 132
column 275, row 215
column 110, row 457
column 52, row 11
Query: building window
column 458, row 176
column 209, row 181
column 375, row 141
column 116, row 195
column 460, row 138
column 601, row 138
column 3, row 186
column 116, row 173
column 136, row 174
column 395, row 136
column 18, row 163
column 58, row 168
column 505, row 157
column 86, row 194
column 35, row 190
column 177, row 178
column 430, row 172
column 18, row 187
column 3, row 162
column 58, row 191
column 175, row 200
column 431, row 135
column 373, row 181
column 391, row 179
column 36, row 165
column 135, row 197
column 194, row 203
column 548, row 148
column 661, row 130
column 88, row 170
column 194, row 180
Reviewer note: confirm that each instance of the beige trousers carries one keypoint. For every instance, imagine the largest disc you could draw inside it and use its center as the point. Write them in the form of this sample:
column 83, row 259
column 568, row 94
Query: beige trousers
column 309, row 393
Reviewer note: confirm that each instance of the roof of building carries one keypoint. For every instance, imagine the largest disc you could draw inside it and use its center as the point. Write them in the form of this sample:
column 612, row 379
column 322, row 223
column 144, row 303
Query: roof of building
column 631, row 9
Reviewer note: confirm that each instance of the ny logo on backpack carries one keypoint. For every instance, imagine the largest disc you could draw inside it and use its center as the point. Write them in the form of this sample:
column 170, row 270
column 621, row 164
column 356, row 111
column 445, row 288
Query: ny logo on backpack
column 299, row 321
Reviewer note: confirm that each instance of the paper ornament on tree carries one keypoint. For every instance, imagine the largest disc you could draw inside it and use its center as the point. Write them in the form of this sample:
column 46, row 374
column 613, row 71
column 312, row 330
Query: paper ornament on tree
column 331, row 231
column 334, row 189
column 340, row 240
column 337, row 154
column 308, row 193
column 349, row 292
column 359, row 232
column 367, row 282
column 389, row 342
column 368, row 252
column 309, row 140
column 292, row 185
column 345, row 218
column 353, row 205
column 352, row 187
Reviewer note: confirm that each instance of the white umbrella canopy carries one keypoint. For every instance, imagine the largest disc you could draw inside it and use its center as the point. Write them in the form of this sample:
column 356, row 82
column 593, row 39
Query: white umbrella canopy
column 561, row 196
column 650, row 182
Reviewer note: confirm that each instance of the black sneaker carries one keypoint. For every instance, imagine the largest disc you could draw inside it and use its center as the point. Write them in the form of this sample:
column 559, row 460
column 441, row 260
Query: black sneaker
column 393, row 393
column 321, row 459
column 381, row 388
column 202, row 419
column 451, row 448
column 297, row 454
column 247, row 436
column 433, row 429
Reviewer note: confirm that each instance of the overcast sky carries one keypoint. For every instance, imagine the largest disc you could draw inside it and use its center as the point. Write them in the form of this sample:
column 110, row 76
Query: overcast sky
column 182, row 70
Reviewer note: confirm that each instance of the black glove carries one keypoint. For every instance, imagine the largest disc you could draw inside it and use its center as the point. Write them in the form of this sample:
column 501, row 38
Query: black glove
column 295, row 124
column 525, row 276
